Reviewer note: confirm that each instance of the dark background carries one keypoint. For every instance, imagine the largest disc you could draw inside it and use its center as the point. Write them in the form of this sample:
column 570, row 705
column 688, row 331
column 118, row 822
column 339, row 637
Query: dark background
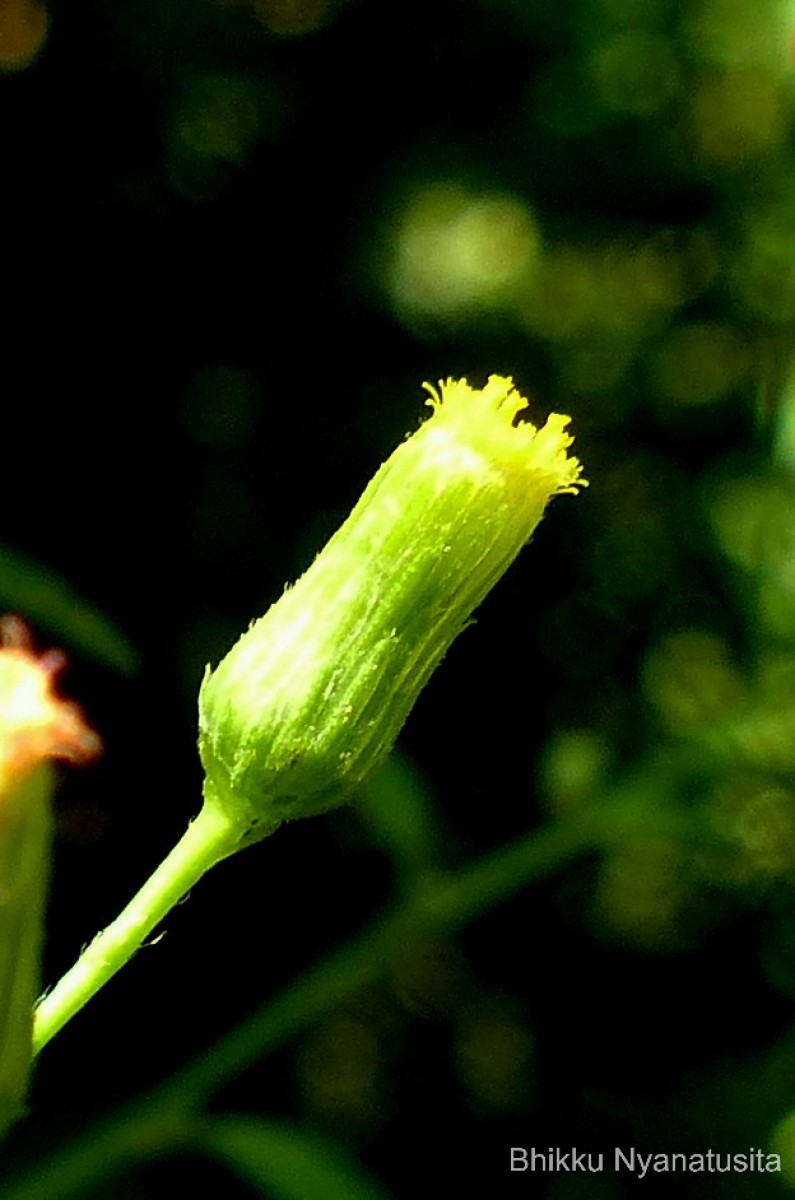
column 236, row 238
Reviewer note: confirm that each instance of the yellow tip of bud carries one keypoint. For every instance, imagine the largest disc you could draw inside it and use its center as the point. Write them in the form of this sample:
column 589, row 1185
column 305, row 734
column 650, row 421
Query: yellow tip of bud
column 492, row 420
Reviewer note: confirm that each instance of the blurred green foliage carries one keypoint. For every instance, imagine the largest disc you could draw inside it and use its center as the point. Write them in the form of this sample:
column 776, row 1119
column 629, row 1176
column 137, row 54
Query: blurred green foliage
column 31, row 588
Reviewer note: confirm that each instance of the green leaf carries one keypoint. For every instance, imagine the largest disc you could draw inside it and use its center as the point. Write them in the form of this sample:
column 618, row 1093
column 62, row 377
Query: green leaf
column 33, row 591
column 283, row 1162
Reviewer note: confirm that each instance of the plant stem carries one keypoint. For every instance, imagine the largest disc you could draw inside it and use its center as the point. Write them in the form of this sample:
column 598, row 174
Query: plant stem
column 161, row 1121
column 442, row 901
column 207, row 840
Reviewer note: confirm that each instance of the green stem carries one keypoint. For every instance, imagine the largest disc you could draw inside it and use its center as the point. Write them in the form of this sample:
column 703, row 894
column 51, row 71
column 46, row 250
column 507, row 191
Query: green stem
column 162, row 1120
column 442, row 901
column 208, row 839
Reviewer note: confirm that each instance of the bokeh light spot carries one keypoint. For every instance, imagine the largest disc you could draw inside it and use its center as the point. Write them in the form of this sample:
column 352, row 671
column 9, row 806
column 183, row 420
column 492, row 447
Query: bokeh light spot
column 494, row 1055
column 621, row 290
column 755, row 816
column 762, row 268
column 689, row 678
column 23, row 32
column 456, row 252
column 635, row 72
column 339, row 1069
column 218, row 118
column 642, row 892
column 738, row 33
column 572, row 768
column 217, row 121
column 737, row 116
column 751, row 516
column 700, row 363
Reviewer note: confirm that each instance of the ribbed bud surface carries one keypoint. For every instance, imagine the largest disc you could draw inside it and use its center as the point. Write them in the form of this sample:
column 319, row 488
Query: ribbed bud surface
column 310, row 700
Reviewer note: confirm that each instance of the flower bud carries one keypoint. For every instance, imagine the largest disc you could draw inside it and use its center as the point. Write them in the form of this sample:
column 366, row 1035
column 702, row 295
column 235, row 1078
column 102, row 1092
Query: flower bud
column 36, row 725
column 311, row 699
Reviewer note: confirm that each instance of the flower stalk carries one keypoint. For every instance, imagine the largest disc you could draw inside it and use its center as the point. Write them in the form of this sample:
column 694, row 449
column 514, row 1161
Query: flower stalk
column 36, row 725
